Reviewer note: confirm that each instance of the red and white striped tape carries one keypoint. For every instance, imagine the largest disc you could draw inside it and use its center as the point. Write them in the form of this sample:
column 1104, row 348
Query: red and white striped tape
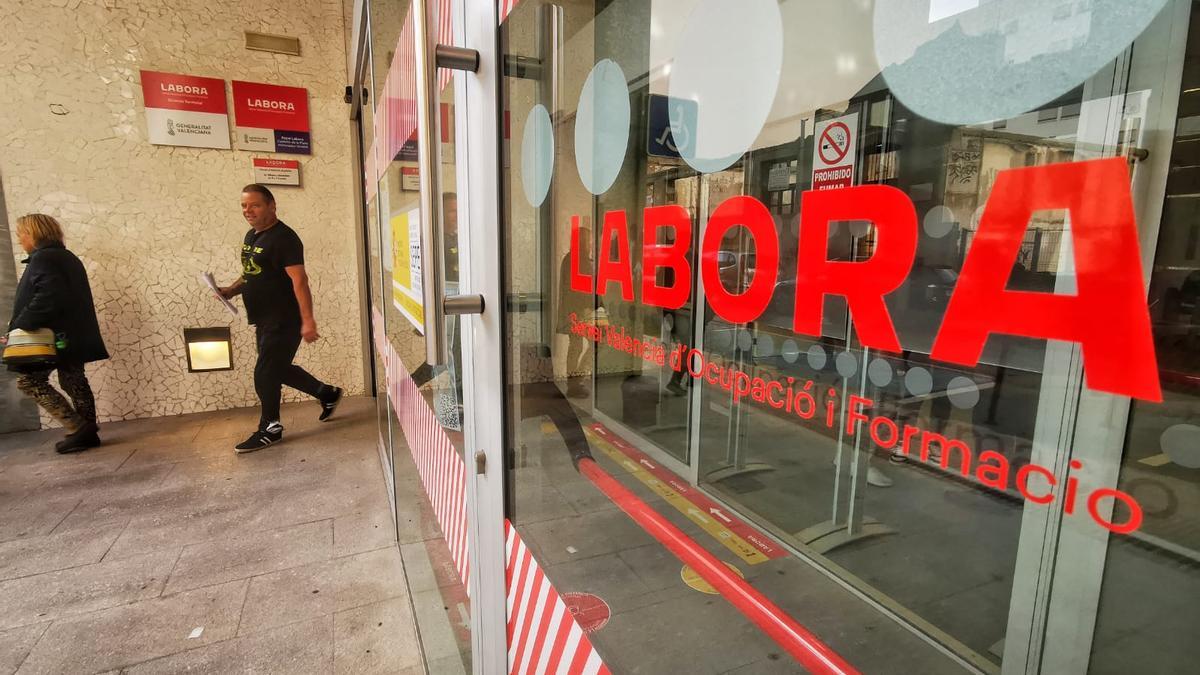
column 506, row 7
column 543, row 635
column 442, row 471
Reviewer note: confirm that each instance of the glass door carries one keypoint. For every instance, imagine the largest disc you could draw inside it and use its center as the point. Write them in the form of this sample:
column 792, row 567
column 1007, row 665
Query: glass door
column 424, row 202
column 710, row 351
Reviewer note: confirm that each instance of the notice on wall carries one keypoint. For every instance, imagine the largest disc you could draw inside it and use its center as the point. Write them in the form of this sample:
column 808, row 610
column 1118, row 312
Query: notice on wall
column 185, row 110
column 410, row 178
column 276, row 171
column 834, row 151
column 271, row 118
column 407, row 291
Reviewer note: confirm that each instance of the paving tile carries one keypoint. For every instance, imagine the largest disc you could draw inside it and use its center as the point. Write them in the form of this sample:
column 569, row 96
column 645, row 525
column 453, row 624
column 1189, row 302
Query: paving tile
column 50, row 596
column 184, row 525
column 379, row 638
column 35, row 555
column 361, row 532
column 322, row 588
column 137, row 632
column 27, row 516
column 16, row 643
column 301, row 648
column 247, row 555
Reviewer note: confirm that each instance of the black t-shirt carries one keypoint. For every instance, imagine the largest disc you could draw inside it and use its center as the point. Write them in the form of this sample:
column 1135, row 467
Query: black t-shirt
column 268, row 293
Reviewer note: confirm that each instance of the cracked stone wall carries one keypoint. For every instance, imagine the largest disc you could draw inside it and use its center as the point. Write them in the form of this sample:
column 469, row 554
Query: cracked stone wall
column 146, row 219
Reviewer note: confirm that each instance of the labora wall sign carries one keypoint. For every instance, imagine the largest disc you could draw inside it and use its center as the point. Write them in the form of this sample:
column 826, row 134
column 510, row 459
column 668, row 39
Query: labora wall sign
column 185, row 110
column 271, row 118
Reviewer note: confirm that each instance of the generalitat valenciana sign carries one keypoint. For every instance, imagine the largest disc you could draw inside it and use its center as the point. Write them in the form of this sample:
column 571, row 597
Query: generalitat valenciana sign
column 271, row 118
column 185, row 110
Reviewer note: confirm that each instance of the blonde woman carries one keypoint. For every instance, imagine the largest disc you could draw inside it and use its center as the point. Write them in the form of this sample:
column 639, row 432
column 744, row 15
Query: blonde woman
column 54, row 293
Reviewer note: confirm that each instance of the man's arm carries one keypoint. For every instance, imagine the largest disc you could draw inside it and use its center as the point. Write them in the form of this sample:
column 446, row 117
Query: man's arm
column 308, row 325
column 232, row 290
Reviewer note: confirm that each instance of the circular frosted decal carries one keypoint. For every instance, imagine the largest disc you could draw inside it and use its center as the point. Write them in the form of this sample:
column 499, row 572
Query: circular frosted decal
column 790, row 351
column 846, row 364
column 939, row 221
column 719, row 339
column 745, row 340
column 972, row 61
column 879, row 372
column 859, row 228
column 537, row 155
column 962, row 392
column 918, row 381
column 765, row 346
column 817, row 357
column 723, row 80
column 602, row 127
column 1181, row 442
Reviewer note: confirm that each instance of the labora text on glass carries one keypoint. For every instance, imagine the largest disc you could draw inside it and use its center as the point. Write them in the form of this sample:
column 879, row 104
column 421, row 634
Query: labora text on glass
column 1107, row 315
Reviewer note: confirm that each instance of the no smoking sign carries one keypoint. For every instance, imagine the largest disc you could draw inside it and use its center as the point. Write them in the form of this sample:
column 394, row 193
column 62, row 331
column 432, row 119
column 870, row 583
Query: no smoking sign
column 834, row 152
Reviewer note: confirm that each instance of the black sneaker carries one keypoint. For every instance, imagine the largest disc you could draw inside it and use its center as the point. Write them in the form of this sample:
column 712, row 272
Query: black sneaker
column 261, row 438
column 81, row 439
column 331, row 404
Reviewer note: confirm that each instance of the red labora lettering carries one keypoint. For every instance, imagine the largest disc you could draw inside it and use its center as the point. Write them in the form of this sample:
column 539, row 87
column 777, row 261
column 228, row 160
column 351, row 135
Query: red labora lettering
column 754, row 216
column 617, row 270
column 862, row 283
column 671, row 256
column 1107, row 316
column 580, row 283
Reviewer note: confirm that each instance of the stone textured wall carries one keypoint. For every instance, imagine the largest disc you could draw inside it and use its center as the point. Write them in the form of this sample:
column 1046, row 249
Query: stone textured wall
column 148, row 219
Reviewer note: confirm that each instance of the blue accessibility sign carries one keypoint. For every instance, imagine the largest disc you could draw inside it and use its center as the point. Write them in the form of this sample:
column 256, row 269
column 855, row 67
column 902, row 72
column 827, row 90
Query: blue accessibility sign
column 670, row 128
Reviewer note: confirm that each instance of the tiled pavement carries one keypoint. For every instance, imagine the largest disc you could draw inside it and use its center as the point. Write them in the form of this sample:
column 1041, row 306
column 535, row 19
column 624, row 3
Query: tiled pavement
column 164, row 551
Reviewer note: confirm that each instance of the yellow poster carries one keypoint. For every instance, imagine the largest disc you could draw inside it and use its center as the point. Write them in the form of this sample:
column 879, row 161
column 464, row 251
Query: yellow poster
column 406, row 267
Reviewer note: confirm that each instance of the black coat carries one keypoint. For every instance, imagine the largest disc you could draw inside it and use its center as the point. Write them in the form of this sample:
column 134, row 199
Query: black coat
column 54, row 293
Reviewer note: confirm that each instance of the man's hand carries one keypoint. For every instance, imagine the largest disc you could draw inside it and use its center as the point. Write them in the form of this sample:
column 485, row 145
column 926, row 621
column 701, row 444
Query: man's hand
column 232, row 290
column 308, row 331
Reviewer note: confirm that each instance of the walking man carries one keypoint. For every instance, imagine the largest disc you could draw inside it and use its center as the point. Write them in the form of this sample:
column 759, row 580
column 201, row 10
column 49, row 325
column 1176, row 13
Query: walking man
column 278, row 301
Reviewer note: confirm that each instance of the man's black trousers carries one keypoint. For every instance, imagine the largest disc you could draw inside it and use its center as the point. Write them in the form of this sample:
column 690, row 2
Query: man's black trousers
column 277, row 347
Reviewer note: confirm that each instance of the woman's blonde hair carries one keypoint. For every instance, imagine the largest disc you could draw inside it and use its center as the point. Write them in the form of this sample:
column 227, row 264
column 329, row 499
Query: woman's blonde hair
column 43, row 228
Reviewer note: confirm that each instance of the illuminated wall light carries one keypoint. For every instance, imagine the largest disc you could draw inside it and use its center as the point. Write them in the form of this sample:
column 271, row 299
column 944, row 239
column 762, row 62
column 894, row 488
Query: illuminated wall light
column 208, row 349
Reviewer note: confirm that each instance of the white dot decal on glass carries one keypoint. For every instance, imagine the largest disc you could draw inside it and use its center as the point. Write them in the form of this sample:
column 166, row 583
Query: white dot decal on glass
column 879, row 372
column 918, row 381
column 719, row 339
column 963, row 392
column 846, row 364
column 602, row 127
column 765, row 345
column 982, row 61
column 723, row 81
column 537, row 155
column 1181, row 442
column 817, row 358
column 745, row 340
column 939, row 221
column 977, row 216
column 790, row 351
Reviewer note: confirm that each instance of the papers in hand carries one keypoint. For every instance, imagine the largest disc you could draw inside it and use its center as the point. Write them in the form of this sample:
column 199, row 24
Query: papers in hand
column 207, row 278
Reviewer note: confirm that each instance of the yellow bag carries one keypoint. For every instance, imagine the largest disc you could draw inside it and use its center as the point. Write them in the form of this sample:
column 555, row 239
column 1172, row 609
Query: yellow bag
column 30, row 348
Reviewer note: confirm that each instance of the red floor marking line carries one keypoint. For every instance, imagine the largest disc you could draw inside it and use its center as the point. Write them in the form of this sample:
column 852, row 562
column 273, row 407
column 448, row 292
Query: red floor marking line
column 751, row 534
column 569, row 649
column 805, row 647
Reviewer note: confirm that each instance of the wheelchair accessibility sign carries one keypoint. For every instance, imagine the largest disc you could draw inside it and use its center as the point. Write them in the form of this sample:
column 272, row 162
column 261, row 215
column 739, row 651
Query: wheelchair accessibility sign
column 663, row 114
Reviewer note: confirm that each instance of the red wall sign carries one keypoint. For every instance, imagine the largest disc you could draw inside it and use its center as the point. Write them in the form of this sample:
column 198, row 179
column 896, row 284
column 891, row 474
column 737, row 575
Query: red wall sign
column 271, row 118
column 185, row 110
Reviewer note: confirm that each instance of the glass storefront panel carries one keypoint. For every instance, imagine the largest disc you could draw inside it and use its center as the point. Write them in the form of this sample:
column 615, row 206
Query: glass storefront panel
column 394, row 201
column 796, row 275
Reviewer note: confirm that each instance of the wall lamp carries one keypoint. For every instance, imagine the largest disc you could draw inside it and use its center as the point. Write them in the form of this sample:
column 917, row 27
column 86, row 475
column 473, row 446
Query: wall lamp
column 208, row 349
